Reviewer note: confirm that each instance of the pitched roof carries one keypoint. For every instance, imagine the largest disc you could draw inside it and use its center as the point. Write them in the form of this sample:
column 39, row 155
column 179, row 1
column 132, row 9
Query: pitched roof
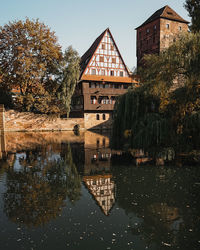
column 89, row 53
column 167, row 13
column 85, row 59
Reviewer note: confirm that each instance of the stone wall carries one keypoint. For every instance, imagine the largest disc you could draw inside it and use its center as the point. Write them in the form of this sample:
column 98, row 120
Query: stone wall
column 169, row 35
column 94, row 122
column 1, row 118
column 25, row 121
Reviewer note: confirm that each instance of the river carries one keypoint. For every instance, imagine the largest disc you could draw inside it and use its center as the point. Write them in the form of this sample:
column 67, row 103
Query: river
column 61, row 191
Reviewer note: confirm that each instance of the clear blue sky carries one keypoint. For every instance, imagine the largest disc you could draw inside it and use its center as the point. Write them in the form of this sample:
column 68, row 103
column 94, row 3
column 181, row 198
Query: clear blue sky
column 79, row 22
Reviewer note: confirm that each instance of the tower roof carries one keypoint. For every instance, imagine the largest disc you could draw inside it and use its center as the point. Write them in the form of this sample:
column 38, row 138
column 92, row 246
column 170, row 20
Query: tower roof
column 166, row 13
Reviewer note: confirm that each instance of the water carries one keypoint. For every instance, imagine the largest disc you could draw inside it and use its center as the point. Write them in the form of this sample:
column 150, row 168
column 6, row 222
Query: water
column 62, row 191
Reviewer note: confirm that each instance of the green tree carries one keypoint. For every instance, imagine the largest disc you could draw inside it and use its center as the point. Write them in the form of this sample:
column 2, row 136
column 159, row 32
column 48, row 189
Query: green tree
column 165, row 110
column 69, row 74
column 29, row 55
column 193, row 8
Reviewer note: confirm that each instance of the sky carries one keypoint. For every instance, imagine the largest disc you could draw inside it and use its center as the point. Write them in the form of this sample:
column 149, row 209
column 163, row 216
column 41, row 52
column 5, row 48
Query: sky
column 80, row 22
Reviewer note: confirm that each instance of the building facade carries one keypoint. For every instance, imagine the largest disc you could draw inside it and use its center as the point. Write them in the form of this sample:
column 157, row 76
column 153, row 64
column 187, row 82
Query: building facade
column 104, row 76
column 158, row 32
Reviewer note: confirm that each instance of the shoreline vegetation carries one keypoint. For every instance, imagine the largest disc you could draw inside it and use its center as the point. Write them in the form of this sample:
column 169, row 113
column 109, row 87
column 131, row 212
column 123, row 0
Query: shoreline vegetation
column 162, row 115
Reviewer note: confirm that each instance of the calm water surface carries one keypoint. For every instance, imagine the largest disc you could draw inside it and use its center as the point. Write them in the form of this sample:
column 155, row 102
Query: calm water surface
column 62, row 191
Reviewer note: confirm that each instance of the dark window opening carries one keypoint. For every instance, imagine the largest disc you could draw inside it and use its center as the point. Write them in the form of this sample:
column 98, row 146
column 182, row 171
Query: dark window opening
column 104, row 117
column 97, row 117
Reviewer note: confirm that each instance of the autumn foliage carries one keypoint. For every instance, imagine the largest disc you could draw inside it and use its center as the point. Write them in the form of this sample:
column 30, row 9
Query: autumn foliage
column 30, row 59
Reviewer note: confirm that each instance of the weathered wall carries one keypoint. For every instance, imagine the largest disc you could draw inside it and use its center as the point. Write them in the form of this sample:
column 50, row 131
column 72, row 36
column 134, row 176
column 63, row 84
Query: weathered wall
column 169, row 35
column 91, row 121
column 1, row 117
column 24, row 121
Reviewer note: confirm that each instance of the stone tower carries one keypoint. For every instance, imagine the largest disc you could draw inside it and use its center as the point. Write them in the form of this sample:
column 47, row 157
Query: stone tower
column 158, row 31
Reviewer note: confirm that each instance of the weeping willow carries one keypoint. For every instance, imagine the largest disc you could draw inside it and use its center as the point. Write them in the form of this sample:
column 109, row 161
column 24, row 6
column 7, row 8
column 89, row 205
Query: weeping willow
column 137, row 112
column 165, row 111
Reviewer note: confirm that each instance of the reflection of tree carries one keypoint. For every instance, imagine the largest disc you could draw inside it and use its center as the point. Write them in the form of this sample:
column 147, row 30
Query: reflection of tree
column 36, row 192
column 161, row 203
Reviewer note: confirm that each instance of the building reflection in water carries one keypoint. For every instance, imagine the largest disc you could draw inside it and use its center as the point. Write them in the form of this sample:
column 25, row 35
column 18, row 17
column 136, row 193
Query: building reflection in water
column 102, row 188
column 96, row 175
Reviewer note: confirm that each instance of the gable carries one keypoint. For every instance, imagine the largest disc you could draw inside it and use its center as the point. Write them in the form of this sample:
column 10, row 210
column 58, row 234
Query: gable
column 105, row 59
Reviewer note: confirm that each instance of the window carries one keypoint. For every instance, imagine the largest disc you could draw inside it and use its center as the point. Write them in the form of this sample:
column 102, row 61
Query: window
column 93, row 71
column 121, row 73
column 93, row 99
column 116, row 86
column 104, row 141
column 154, row 38
column 92, row 85
column 111, row 47
column 103, row 72
column 97, row 117
column 113, row 60
column 147, row 31
column 112, row 72
column 106, row 86
column 112, row 100
column 103, row 46
column 101, row 191
column 103, row 203
column 154, row 27
column 167, row 26
column 104, row 116
column 180, row 28
column 101, row 59
column 97, row 143
column 170, row 13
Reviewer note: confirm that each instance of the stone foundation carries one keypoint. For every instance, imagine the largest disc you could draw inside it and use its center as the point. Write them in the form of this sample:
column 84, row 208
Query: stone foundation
column 98, row 120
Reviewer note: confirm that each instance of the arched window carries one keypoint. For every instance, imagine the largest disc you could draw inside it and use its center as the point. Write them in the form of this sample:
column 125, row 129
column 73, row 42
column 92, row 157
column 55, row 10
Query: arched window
column 104, row 116
column 97, row 116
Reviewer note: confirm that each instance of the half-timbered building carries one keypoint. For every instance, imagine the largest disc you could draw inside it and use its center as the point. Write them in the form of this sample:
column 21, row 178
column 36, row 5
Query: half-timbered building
column 104, row 76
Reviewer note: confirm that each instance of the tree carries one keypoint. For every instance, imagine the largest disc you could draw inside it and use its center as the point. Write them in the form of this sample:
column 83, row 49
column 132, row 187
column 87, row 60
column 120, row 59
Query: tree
column 165, row 110
column 193, row 7
column 69, row 75
column 29, row 54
